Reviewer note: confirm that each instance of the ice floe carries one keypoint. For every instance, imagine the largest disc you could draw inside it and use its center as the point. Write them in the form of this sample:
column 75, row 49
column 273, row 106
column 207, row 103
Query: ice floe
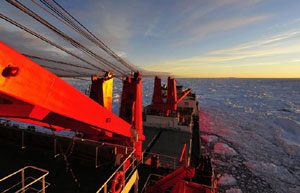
column 224, row 149
column 209, row 138
column 234, row 190
column 226, row 180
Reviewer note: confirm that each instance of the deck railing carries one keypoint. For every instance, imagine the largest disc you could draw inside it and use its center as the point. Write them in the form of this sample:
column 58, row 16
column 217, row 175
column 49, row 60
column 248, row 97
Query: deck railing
column 127, row 171
column 27, row 181
column 152, row 178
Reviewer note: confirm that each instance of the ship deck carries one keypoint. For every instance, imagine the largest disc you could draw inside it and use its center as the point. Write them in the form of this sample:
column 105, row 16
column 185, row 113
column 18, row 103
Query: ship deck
column 83, row 176
column 39, row 152
column 168, row 142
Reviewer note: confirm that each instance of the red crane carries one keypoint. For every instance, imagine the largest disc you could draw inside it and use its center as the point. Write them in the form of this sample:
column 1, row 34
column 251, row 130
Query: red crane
column 172, row 99
column 32, row 94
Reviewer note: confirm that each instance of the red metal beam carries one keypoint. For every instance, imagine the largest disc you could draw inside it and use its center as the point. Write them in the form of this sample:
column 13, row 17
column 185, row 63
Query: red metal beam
column 101, row 90
column 131, row 108
column 171, row 179
column 172, row 99
column 182, row 95
column 30, row 92
column 157, row 94
column 172, row 93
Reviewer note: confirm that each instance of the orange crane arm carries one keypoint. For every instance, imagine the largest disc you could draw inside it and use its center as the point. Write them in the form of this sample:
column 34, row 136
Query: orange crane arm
column 32, row 94
column 163, row 184
column 183, row 94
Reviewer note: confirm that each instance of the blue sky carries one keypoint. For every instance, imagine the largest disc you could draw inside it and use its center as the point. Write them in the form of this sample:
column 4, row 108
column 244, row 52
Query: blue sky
column 189, row 38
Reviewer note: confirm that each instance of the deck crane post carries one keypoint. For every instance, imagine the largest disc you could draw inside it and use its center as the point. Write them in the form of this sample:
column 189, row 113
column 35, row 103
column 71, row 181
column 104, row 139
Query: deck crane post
column 101, row 91
column 131, row 108
column 172, row 96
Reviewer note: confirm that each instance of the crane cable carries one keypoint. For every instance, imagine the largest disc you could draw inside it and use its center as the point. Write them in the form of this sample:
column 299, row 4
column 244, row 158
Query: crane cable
column 98, row 42
column 48, row 41
column 76, row 44
column 78, row 30
column 59, row 62
column 73, row 42
column 64, row 70
column 66, row 21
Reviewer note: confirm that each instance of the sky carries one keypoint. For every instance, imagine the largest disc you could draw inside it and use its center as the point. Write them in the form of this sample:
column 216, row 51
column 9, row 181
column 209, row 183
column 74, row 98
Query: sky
column 188, row 38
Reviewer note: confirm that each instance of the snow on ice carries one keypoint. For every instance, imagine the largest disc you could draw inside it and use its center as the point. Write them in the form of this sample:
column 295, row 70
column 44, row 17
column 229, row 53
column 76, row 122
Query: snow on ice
column 209, row 138
column 234, row 190
column 224, row 150
column 226, row 180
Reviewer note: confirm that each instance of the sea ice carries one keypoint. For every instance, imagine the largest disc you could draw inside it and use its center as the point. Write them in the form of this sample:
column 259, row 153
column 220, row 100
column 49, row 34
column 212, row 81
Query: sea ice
column 227, row 180
column 224, row 149
column 268, row 169
column 234, row 190
column 209, row 138
column 290, row 130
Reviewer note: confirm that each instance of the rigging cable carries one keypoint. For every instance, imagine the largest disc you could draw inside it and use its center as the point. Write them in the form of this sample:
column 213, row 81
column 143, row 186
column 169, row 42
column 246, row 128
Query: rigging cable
column 59, row 62
column 64, row 70
column 98, row 42
column 48, row 41
column 73, row 42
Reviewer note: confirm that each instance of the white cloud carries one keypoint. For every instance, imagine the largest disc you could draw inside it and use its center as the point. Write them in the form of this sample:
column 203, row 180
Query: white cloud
column 200, row 19
column 192, row 11
column 151, row 27
column 121, row 54
column 265, row 52
column 202, row 31
column 270, row 41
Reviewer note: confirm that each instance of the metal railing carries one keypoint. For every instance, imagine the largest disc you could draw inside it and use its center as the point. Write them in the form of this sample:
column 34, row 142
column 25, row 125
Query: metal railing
column 151, row 181
column 152, row 178
column 21, row 186
column 122, row 167
column 165, row 160
column 75, row 139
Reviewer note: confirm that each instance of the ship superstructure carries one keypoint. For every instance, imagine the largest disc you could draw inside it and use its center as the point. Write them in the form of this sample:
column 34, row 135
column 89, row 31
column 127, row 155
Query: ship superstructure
column 172, row 107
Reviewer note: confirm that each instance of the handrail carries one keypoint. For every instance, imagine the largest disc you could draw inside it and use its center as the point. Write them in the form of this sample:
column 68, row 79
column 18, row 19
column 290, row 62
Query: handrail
column 148, row 179
column 24, row 129
column 129, row 175
column 163, row 159
column 102, row 143
column 24, row 187
column 163, row 155
column 106, row 182
column 160, row 176
column 132, row 163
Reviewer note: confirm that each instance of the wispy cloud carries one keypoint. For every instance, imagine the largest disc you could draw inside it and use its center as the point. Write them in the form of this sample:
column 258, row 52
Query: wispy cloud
column 151, row 27
column 252, row 54
column 262, row 42
column 220, row 26
column 111, row 23
column 199, row 20
column 193, row 11
column 295, row 60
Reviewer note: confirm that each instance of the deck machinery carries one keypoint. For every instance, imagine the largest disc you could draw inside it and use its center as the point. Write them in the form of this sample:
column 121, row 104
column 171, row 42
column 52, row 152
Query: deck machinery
column 171, row 108
column 31, row 94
